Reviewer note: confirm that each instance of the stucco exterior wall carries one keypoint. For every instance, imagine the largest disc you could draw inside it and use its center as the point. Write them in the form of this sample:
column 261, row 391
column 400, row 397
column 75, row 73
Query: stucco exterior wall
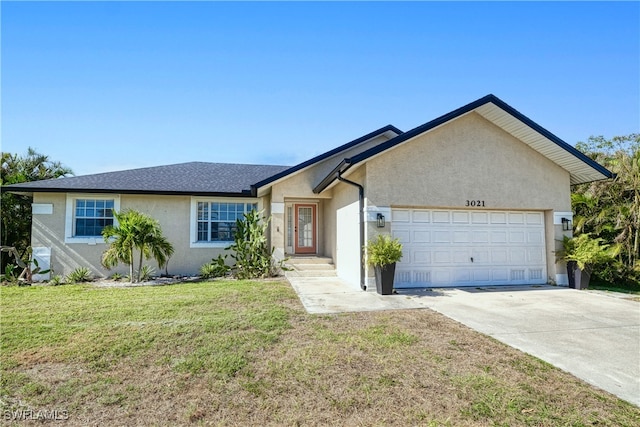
column 345, row 197
column 470, row 159
column 467, row 159
column 173, row 213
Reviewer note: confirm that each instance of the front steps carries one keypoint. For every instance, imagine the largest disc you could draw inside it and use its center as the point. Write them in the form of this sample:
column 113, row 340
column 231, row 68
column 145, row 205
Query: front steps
column 310, row 266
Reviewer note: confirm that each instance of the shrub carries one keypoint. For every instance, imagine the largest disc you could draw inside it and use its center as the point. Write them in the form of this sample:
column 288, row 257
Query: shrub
column 587, row 251
column 116, row 277
column 253, row 257
column 215, row 268
column 56, row 280
column 383, row 250
column 146, row 273
column 79, row 275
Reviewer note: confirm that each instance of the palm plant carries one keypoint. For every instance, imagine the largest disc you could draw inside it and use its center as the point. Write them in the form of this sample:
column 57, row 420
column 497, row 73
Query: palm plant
column 135, row 230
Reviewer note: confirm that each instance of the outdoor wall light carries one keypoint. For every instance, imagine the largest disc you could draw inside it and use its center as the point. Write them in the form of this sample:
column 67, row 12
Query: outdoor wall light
column 380, row 220
column 566, row 224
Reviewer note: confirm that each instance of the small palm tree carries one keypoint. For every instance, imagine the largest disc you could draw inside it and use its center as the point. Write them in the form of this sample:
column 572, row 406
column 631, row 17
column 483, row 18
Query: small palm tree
column 135, row 230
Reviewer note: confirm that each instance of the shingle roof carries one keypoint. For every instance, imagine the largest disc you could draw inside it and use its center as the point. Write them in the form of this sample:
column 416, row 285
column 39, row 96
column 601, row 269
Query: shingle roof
column 197, row 178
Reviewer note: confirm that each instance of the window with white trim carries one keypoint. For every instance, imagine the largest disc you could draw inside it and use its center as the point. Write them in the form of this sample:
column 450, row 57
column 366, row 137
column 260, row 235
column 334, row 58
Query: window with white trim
column 86, row 215
column 216, row 221
column 91, row 216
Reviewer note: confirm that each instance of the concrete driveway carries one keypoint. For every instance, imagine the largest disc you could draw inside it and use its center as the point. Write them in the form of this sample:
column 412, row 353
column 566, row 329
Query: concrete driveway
column 594, row 336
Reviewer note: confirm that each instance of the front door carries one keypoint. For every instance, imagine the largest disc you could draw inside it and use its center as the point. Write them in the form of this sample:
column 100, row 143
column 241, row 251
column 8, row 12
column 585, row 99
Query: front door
column 305, row 229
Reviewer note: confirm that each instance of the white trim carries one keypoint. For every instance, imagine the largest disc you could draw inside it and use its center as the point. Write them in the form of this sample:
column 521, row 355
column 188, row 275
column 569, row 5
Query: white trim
column 193, row 223
column 371, row 213
column 41, row 208
column 557, row 217
column 70, row 214
column 277, row 208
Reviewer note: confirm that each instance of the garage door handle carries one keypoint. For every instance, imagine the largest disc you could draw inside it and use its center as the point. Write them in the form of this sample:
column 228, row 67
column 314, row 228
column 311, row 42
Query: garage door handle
column 471, row 259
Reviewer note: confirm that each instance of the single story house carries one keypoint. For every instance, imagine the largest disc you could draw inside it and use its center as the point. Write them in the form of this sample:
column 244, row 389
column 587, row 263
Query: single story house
column 478, row 196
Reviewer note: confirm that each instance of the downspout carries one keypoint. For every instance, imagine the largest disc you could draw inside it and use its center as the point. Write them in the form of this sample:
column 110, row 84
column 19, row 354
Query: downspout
column 361, row 208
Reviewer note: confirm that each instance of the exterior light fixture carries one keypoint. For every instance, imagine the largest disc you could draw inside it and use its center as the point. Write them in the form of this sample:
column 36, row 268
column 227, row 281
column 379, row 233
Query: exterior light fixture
column 380, row 220
column 566, row 224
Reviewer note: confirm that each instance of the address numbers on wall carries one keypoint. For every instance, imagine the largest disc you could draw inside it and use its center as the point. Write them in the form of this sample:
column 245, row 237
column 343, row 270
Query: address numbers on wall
column 475, row 203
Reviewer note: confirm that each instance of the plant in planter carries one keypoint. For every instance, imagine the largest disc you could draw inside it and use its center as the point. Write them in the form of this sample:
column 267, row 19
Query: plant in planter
column 382, row 254
column 582, row 253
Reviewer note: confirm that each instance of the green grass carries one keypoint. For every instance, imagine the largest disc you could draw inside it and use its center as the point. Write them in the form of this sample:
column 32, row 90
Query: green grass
column 245, row 353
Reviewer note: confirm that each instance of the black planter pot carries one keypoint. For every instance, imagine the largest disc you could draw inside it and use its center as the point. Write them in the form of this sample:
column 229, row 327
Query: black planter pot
column 384, row 278
column 571, row 272
column 578, row 279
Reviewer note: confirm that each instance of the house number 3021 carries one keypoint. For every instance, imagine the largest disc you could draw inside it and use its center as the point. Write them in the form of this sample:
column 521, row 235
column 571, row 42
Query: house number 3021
column 475, row 203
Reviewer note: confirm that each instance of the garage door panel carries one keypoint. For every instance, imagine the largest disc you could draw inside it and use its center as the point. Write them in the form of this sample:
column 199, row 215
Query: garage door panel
column 461, row 236
column 516, row 218
column 441, row 237
column 479, row 218
column 400, row 215
column 461, row 256
column 440, row 217
column 535, row 218
column 480, row 236
column 420, row 216
column 462, row 276
column 403, row 235
column 458, row 248
column 421, row 236
column 482, row 275
column 516, row 236
column 460, row 217
column 498, row 236
column 534, row 237
column 480, row 256
column 420, row 257
column 441, row 257
column 517, row 256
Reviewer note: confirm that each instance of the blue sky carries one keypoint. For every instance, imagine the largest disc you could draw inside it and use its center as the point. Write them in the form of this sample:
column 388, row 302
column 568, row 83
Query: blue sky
column 111, row 86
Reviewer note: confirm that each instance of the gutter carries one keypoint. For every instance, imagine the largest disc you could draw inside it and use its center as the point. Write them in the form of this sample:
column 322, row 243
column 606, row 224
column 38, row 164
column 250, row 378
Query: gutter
column 361, row 212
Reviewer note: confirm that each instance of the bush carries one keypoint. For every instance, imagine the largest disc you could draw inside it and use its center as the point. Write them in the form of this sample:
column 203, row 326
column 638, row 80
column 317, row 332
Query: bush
column 253, row 257
column 383, row 250
column 146, row 273
column 215, row 268
column 56, row 280
column 79, row 275
column 587, row 251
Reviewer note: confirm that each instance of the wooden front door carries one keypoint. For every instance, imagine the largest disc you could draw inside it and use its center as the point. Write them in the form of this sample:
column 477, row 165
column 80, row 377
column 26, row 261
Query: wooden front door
column 304, row 234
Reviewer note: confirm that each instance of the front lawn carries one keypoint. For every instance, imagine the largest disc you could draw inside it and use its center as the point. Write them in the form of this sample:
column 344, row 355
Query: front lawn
column 246, row 353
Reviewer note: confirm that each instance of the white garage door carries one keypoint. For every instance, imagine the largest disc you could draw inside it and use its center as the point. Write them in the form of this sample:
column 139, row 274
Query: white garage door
column 468, row 248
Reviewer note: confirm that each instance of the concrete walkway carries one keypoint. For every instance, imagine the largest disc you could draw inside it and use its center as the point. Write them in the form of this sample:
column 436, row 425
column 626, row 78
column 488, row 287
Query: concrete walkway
column 594, row 336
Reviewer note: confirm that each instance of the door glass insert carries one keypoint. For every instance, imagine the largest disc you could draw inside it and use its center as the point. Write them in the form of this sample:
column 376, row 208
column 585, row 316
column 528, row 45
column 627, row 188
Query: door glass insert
column 305, row 227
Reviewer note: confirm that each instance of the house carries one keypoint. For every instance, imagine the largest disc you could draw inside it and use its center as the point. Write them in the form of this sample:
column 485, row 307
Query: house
column 478, row 196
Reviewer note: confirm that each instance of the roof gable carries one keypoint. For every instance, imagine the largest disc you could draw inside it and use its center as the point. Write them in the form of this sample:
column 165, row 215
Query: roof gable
column 389, row 130
column 580, row 167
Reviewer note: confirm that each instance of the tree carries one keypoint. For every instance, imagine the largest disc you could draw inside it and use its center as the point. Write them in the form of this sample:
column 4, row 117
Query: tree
column 135, row 230
column 611, row 209
column 16, row 209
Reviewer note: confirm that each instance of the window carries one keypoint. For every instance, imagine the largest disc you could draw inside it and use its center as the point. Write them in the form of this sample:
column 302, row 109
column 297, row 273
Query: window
column 86, row 215
column 216, row 221
column 92, row 216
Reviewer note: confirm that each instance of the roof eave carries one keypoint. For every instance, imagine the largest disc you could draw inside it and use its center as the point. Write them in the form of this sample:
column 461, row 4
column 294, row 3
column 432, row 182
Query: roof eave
column 29, row 190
